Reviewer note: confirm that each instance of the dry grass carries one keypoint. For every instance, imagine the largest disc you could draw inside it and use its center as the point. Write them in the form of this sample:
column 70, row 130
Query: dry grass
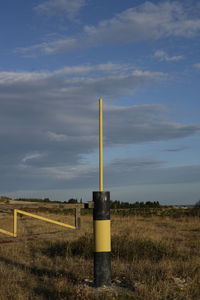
column 153, row 258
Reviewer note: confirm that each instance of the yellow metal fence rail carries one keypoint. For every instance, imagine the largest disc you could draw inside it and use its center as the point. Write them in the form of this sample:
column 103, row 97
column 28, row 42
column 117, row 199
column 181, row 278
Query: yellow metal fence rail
column 21, row 212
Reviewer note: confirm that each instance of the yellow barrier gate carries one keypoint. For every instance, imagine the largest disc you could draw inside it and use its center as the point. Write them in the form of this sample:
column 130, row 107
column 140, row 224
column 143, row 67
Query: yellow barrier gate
column 21, row 212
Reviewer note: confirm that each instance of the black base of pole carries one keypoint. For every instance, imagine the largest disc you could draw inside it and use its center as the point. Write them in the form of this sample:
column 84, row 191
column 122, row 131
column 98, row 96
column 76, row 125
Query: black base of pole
column 102, row 239
column 102, row 268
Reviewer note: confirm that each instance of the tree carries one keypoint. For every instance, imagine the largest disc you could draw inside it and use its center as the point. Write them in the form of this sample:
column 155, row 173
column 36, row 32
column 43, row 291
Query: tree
column 5, row 199
column 46, row 200
column 197, row 204
column 72, row 200
column 195, row 211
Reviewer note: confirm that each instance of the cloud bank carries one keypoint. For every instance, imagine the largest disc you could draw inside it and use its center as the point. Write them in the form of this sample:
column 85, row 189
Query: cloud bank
column 148, row 21
column 49, row 123
column 163, row 56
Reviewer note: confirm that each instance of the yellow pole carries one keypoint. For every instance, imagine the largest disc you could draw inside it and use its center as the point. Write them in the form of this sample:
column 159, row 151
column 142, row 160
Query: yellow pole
column 100, row 145
column 44, row 219
column 101, row 219
column 6, row 232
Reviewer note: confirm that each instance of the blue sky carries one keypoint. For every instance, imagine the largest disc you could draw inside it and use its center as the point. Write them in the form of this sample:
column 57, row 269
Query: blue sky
column 57, row 57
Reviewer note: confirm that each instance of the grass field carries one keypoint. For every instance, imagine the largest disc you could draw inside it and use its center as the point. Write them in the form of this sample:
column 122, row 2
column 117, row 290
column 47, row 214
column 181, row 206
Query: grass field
column 152, row 258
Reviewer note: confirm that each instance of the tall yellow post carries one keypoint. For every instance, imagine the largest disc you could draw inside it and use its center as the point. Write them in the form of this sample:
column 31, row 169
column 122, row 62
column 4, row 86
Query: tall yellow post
column 101, row 218
column 100, row 145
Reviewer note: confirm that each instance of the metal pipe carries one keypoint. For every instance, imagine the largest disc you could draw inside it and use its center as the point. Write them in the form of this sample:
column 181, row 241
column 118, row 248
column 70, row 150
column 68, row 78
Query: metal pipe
column 44, row 219
column 100, row 145
column 6, row 232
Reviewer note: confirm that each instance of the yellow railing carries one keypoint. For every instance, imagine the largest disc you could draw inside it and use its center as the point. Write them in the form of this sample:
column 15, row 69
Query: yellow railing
column 21, row 212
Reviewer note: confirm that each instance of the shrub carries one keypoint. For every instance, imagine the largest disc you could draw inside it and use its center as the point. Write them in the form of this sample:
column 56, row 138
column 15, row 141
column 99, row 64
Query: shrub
column 128, row 248
column 123, row 247
column 83, row 246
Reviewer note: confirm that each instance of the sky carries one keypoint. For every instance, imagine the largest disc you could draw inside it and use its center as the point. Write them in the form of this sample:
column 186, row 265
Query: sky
column 58, row 57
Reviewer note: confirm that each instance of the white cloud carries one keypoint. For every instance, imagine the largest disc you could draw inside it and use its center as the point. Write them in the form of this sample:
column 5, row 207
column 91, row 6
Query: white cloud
column 135, row 170
column 148, row 171
column 147, row 21
column 31, row 156
column 144, row 123
column 69, row 8
column 57, row 137
column 71, row 74
column 52, row 47
column 197, row 66
column 14, row 77
column 163, row 56
column 107, row 68
column 56, row 114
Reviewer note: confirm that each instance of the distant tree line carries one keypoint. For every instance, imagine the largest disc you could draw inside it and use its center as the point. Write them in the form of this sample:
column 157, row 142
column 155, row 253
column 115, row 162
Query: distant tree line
column 118, row 204
column 113, row 204
column 5, row 199
column 33, row 199
column 71, row 200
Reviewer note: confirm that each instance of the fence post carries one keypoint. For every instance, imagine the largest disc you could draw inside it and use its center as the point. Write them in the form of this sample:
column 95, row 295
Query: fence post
column 78, row 217
column 15, row 223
